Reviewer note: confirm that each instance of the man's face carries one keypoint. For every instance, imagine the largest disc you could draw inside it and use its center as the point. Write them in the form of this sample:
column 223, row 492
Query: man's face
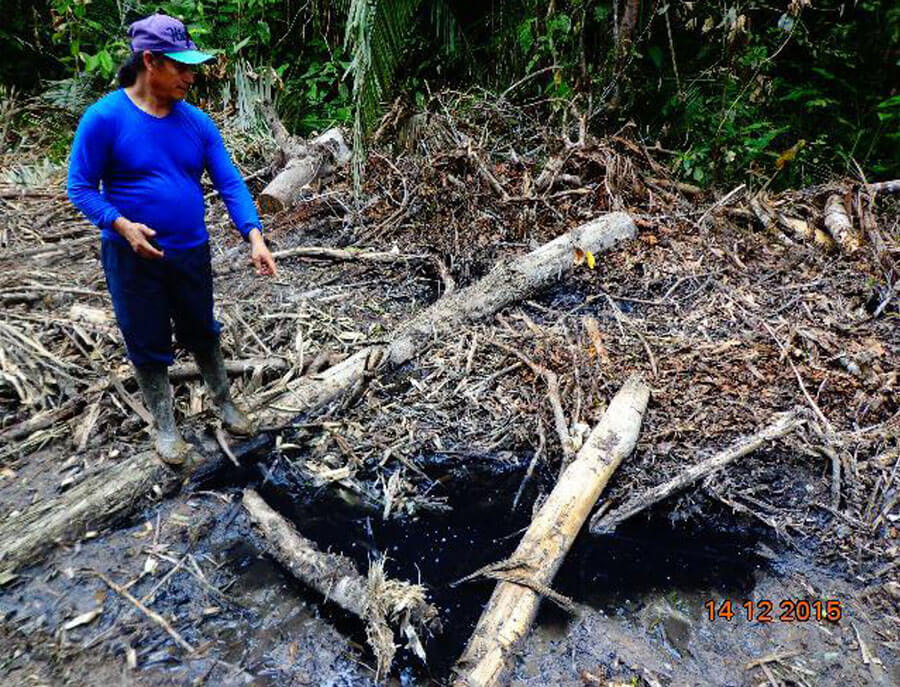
column 168, row 79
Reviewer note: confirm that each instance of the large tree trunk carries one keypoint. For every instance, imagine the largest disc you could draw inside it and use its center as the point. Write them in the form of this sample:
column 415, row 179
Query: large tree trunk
column 121, row 489
column 626, row 29
column 513, row 606
column 379, row 602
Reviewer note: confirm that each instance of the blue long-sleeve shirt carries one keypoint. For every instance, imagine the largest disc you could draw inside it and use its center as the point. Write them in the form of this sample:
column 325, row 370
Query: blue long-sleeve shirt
column 150, row 168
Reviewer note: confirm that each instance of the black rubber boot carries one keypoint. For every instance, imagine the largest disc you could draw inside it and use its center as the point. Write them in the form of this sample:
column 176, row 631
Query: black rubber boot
column 212, row 369
column 157, row 392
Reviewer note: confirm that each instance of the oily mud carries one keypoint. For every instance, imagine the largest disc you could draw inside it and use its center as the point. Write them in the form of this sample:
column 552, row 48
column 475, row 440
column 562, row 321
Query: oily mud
column 640, row 592
column 479, row 526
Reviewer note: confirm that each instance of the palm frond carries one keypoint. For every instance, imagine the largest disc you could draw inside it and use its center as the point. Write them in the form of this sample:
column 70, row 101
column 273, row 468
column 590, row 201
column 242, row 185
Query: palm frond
column 446, row 27
column 376, row 37
column 73, row 94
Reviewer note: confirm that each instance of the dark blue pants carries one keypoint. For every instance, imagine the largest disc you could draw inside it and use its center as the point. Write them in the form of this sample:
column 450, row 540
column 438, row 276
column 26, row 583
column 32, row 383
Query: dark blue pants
column 149, row 295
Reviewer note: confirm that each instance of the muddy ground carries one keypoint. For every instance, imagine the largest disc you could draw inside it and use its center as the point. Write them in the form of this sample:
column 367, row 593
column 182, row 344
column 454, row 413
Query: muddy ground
column 427, row 464
column 641, row 596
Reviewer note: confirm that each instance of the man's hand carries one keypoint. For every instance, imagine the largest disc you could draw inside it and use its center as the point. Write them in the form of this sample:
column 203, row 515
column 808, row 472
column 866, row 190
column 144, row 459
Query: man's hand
column 138, row 236
column 260, row 255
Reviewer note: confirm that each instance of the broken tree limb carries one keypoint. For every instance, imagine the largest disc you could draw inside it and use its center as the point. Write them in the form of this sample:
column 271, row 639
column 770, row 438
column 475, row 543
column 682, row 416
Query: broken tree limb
column 320, row 253
column 508, row 282
column 234, row 368
column 303, row 162
column 322, row 156
column 177, row 373
column 511, row 281
column 783, row 424
column 839, row 225
column 42, row 420
column 892, row 186
column 383, row 604
column 513, row 606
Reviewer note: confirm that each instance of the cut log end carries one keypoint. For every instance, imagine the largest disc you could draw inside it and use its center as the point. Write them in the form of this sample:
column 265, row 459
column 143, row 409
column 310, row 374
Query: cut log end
column 306, row 163
column 269, row 204
column 839, row 225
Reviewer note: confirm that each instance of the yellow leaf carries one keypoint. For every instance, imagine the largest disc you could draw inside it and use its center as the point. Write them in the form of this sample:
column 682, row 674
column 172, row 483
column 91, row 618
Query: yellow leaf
column 789, row 154
column 590, row 259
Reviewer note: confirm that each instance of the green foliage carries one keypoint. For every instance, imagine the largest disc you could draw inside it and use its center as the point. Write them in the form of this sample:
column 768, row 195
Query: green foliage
column 376, row 36
column 755, row 81
column 317, row 97
column 90, row 30
column 727, row 89
column 232, row 26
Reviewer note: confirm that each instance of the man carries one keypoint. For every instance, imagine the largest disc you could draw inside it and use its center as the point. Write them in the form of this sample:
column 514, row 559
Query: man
column 149, row 149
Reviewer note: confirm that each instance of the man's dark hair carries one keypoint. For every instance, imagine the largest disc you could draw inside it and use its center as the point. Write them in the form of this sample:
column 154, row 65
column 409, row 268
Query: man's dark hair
column 134, row 65
column 130, row 69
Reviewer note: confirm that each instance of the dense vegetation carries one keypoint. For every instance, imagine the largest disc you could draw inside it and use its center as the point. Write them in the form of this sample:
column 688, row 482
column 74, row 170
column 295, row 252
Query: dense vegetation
column 725, row 89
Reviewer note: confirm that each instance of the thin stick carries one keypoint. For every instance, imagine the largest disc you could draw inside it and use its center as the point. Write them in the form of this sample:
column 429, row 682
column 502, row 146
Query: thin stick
column 784, row 424
column 153, row 615
column 559, row 418
column 223, row 444
column 724, row 199
column 542, row 440
column 818, row 411
column 620, row 318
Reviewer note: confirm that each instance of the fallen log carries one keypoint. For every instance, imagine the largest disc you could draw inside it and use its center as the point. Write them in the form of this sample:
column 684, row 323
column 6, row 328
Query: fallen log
column 42, row 420
column 892, row 186
column 303, row 163
column 177, row 373
column 605, row 523
column 513, row 606
column 383, row 604
column 97, row 500
column 100, row 499
column 66, row 518
column 234, row 368
column 509, row 282
column 506, row 283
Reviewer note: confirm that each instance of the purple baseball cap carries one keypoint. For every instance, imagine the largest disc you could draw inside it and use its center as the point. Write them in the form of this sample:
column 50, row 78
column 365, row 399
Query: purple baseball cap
column 165, row 34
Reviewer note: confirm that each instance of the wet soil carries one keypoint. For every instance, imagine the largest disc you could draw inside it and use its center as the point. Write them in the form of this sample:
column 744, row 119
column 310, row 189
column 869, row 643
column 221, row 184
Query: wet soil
column 641, row 595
